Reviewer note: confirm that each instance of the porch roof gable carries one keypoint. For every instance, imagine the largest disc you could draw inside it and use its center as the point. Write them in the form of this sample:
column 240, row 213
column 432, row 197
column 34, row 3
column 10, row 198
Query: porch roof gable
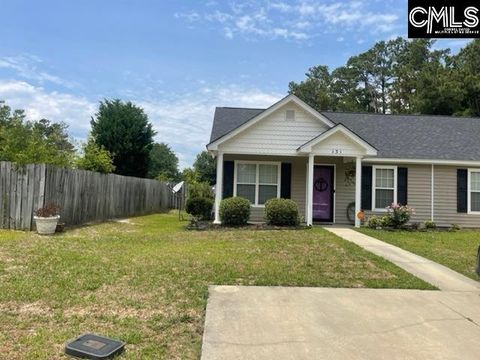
column 348, row 135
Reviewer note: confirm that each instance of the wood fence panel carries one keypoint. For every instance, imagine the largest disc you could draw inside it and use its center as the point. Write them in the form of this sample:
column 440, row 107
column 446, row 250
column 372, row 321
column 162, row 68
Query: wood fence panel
column 83, row 196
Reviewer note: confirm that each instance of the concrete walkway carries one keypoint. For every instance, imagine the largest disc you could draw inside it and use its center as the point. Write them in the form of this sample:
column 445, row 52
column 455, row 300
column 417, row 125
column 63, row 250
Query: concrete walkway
column 432, row 272
column 291, row 323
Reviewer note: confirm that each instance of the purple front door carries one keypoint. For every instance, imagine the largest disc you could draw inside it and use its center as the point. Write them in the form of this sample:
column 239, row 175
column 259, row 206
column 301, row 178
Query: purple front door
column 323, row 193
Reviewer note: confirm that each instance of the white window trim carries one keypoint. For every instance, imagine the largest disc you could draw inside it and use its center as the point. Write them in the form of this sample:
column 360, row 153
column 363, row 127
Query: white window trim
column 257, row 174
column 374, row 185
column 469, row 192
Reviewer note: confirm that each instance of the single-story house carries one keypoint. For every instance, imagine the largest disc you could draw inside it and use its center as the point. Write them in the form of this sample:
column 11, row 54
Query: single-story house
column 331, row 163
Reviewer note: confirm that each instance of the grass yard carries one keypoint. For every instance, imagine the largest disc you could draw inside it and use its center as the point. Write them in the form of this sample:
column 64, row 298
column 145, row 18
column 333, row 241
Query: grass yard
column 146, row 281
column 456, row 250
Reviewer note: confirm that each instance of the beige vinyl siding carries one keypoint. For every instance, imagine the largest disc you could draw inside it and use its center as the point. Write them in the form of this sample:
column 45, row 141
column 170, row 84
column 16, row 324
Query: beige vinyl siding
column 445, row 209
column 418, row 188
column 419, row 191
column 274, row 135
column 298, row 181
column 345, row 192
column 445, row 196
column 257, row 214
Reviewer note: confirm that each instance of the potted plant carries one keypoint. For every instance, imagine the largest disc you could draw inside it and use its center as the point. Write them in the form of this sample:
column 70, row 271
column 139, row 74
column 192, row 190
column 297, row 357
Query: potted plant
column 46, row 219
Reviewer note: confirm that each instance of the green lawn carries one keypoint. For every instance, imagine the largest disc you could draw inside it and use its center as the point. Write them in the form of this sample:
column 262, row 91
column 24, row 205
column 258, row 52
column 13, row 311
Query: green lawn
column 146, row 281
column 456, row 250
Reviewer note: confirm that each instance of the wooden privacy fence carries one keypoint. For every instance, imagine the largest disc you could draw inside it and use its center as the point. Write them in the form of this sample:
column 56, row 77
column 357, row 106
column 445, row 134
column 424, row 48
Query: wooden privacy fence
column 83, row 196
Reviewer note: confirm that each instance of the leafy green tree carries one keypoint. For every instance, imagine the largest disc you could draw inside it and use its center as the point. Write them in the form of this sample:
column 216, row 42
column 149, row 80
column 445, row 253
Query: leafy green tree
column 95, row 158
column 398, row 76
column 315, row 90
column 190, row 176
column 345, row 91
column 25, row 142
column 206, row 168
column 163, row 163
column 123, row 129
column 412, row 58
column 466, row 68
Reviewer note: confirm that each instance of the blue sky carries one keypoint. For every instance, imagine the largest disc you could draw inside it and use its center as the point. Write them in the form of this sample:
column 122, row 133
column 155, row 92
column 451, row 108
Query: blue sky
column 177, row 59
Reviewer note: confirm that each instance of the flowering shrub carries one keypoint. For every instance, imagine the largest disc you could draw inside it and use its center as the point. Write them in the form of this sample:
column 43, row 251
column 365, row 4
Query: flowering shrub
column 398, row 215
column 374, row 222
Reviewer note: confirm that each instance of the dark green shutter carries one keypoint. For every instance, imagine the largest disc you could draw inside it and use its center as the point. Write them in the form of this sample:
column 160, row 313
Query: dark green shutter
column 402, row 186
column 366, row 188
column 286, row 181
column 228, row 170
column 462, row 179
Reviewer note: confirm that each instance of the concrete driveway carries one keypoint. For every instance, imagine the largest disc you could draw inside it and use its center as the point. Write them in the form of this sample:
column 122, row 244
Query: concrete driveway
column 279, row 323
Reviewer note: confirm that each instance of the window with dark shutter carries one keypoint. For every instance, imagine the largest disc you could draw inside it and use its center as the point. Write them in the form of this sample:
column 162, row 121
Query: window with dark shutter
column 462, row 188
column 228, row 167
column 402, row 186
column 366, row 188
column 286, row 181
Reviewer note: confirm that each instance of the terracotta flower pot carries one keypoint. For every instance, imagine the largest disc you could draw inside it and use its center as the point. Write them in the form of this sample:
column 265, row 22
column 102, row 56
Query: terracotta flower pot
column 46, row 225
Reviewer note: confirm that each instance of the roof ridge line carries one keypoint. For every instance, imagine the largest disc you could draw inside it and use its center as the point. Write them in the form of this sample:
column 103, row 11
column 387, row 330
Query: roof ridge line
column 380, row 114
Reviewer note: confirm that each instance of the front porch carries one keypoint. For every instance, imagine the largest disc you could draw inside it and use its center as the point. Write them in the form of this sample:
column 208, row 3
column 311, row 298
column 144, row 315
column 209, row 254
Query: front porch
column 322, row 186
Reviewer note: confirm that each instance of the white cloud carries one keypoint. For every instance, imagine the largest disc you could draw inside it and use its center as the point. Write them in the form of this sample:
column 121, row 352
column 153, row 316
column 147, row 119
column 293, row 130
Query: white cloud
column 299, row 20
column 27, row 67
column 39, row 103
column 183, row 121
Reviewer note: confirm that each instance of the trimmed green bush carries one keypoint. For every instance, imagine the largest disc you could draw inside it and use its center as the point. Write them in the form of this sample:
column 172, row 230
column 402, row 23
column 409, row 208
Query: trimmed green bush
column 281, row 212
column 430, row 224
column 199, row 207
column 234, row 211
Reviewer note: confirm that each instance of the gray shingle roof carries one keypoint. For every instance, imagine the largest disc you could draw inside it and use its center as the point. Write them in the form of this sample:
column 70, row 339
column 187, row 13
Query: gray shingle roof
column 416, row 136
column 394, row 136
column 227, row 119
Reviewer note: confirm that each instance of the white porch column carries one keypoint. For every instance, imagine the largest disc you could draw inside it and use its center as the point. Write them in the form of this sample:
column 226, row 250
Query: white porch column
column 218, row 187
column 309, row 214
column 358, row 189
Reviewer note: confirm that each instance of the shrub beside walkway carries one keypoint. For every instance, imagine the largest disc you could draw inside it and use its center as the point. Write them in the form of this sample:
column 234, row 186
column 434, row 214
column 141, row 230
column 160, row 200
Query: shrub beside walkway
column 427, row 270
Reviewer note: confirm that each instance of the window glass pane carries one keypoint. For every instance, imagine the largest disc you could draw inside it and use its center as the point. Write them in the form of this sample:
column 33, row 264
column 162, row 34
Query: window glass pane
column 268, row 174
column 266, row 192
column 383, row 198
column 247, row 192
column 475, row 181
column 246, row 173
column 384, row 178
column 475, row 201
